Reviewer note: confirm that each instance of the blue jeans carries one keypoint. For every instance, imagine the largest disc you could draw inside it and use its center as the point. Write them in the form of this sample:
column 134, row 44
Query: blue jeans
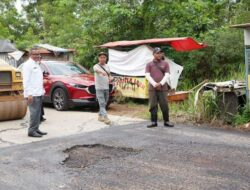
column 102, row 97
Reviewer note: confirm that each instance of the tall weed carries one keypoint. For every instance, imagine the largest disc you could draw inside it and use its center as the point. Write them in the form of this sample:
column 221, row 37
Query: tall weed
column 243, row 116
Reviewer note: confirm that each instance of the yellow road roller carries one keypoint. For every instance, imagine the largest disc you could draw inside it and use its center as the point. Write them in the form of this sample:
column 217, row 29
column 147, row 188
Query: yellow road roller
column 12, row 103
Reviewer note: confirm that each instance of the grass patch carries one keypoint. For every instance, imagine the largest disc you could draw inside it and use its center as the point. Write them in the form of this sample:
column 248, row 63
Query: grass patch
column 243, row 116
column 183, row 110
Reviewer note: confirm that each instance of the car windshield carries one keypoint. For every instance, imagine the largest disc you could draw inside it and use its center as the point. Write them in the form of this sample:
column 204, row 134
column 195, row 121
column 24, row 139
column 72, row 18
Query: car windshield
column 68, row 68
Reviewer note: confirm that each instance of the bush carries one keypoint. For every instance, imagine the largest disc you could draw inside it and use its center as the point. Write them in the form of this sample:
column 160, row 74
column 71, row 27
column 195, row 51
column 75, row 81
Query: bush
column 243, row 116
column 207, row 108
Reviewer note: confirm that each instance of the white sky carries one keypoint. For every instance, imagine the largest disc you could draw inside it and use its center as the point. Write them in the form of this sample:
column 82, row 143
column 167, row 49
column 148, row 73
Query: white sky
column 18, row 5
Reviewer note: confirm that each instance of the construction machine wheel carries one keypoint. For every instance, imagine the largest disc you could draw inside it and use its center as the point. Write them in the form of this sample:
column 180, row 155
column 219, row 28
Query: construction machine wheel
column 12, row 103
column 13, row 109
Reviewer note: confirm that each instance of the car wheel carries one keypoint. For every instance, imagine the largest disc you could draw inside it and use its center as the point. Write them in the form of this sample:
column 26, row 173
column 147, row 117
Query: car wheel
column 60, row 99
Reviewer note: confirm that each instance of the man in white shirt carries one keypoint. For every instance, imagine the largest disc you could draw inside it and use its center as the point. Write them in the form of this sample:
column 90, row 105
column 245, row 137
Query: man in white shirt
column 33, row 91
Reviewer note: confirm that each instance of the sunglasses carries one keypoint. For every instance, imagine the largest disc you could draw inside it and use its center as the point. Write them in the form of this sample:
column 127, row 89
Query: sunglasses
column 37, row 56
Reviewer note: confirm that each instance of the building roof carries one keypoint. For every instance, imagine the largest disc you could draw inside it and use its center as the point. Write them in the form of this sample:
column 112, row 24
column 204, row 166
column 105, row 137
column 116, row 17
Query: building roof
column 43, row 51
column 54, row 48
column 179, row 44
column 6, row 46
column 245, row 25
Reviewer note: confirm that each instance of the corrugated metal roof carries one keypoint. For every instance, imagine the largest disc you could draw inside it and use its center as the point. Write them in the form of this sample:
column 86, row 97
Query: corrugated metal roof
column 246, row 25
column 6, row 46
column 179, row 44
column 53, row 48
column 42, row 51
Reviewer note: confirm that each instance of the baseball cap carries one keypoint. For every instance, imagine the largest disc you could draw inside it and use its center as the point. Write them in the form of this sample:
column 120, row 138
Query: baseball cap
column 102, row 53
column 157, row 50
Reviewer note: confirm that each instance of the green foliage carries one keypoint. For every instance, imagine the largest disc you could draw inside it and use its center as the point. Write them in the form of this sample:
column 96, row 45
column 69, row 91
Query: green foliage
column 184, row 109
column 84, row 24
column 224, row 54
column 243, row 116
column 242, row 12
column 209, row 109
column 11, row 24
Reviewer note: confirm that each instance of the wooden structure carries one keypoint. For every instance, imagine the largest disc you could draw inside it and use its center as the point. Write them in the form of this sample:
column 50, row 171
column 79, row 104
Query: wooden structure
column 246, row 28
column 137, row 86
column 52, row 53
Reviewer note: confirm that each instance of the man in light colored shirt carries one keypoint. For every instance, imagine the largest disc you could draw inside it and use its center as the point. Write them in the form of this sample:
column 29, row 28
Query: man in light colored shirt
column 102, row 79
column 33, row 91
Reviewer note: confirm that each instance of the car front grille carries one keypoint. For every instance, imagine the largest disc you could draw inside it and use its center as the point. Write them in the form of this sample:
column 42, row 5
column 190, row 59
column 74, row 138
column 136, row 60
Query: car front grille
column 110, row 87
column 92, row 90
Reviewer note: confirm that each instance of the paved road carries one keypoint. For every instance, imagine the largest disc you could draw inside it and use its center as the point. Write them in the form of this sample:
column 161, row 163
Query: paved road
column 58, row 124
column 183, row 157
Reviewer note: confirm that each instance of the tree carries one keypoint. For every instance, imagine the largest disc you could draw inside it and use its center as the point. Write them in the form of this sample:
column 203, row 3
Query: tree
column 84, row 24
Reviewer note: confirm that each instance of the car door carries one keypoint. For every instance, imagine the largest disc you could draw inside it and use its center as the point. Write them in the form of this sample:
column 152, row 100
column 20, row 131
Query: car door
column 46, row 79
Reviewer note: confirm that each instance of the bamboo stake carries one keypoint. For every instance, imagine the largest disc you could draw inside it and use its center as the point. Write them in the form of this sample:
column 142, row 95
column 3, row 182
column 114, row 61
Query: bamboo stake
column 203, row 82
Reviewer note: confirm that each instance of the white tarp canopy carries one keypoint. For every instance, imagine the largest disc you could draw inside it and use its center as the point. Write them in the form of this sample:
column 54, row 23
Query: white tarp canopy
column 133, row 63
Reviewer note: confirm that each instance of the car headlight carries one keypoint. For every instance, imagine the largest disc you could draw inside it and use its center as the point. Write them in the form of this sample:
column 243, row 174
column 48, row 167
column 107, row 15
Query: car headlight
column 80, row 86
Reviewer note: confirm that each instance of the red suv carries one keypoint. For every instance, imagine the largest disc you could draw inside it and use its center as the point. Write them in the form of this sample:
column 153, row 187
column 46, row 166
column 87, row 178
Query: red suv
column 67, row 85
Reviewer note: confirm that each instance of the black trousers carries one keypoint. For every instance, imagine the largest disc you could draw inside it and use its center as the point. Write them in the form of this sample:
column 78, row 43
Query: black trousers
column 42, row 112
column 155, row 98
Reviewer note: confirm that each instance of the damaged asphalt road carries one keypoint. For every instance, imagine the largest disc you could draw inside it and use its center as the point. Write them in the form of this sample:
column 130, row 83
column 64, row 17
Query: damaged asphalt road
column 131, row 157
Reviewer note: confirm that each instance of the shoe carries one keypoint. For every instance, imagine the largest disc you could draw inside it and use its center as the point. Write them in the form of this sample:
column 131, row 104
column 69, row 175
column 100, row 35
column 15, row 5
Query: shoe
column 153, row 124
column 42, row 119
column 168, row 124
column 34, row 134
column 101, row 118
column 107, row 120
column 41, row 133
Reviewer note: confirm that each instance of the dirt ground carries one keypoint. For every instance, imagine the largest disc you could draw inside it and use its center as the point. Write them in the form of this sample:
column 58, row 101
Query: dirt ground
column 134, row 110
column 129, row 110
column 142, row 111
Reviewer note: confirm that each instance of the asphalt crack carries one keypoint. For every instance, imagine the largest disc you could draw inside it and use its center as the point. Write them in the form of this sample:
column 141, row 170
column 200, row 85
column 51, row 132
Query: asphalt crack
column 24, row 125
column 3, row 141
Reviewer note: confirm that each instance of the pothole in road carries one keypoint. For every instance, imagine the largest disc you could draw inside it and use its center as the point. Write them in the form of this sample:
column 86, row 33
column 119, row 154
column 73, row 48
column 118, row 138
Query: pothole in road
column 81, row 156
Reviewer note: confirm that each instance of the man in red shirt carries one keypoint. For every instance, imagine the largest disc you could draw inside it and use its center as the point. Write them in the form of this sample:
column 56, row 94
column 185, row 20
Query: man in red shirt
column 158, row 75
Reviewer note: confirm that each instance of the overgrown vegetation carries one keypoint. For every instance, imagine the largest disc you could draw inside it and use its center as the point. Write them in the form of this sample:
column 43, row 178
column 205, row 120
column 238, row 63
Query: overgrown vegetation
column 207, row 111
column 243, row 116
column 83, row 24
